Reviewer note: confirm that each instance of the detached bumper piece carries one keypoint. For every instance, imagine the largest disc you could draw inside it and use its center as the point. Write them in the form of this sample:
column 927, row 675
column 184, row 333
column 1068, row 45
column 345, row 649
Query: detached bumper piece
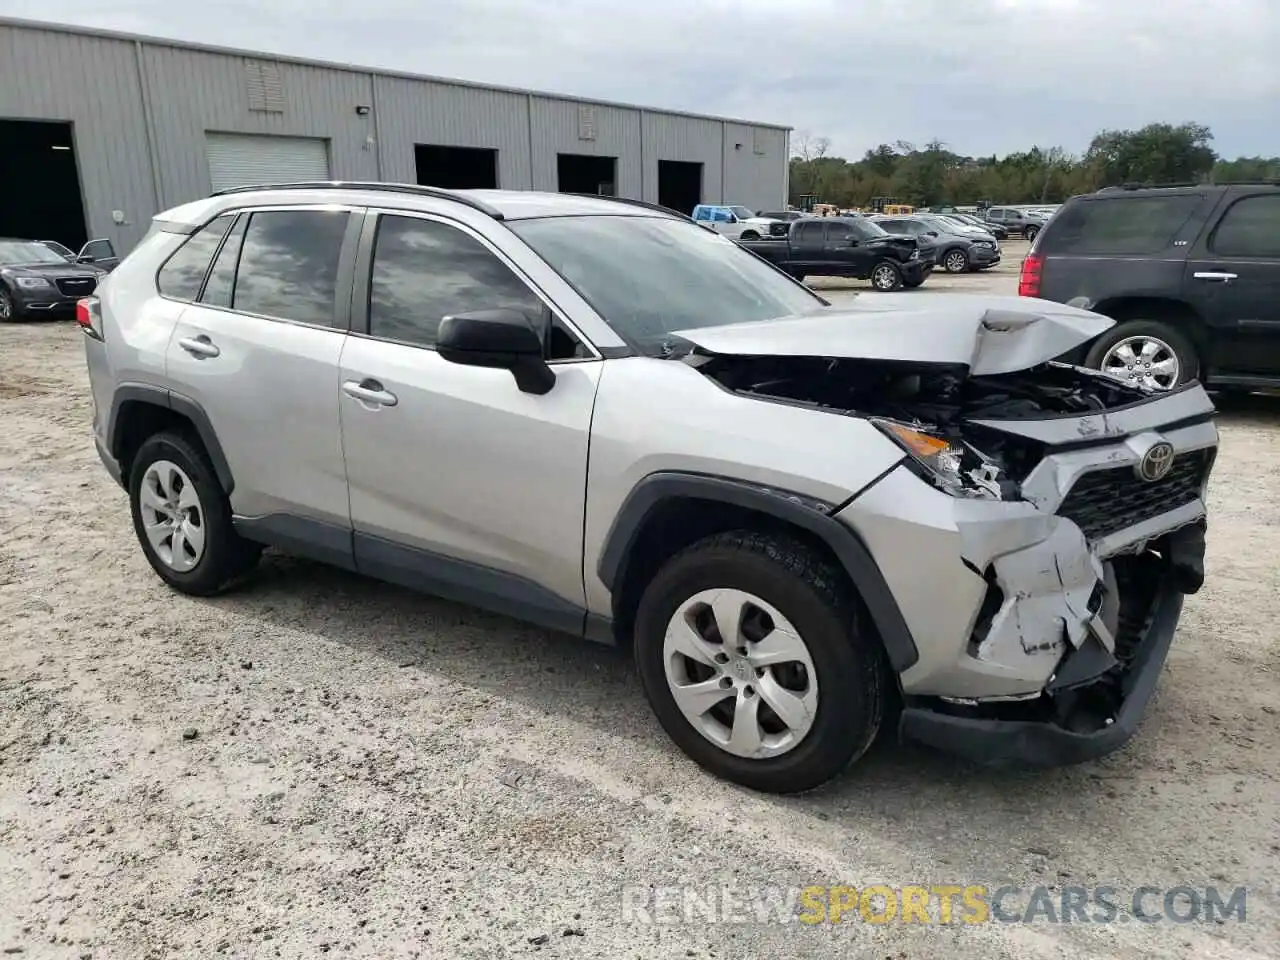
column 1095, row 701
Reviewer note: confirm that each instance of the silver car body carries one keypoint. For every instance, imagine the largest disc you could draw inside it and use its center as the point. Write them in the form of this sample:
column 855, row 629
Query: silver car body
column 529, row 487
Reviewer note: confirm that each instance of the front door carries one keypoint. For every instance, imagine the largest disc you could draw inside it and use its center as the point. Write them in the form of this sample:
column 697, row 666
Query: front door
column 1233, row 279
column 461, row 484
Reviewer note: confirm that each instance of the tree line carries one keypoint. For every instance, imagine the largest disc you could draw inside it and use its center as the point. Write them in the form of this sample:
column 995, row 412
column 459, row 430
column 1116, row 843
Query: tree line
column 932, row 174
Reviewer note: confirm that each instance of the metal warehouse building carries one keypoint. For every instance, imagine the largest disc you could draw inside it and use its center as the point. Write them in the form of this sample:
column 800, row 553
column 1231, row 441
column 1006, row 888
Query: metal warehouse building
column 99, row 131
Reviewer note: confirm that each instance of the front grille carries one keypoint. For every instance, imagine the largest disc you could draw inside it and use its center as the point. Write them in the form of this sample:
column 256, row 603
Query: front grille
column 1102, row 502
column 76, row 286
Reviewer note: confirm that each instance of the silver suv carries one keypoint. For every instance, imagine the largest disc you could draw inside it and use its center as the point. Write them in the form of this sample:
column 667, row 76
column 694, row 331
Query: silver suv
column 595, row 415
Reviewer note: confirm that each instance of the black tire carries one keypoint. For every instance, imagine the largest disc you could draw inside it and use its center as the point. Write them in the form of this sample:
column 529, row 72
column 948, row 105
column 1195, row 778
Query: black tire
column 8, row 307
column 955, row 260
column 1182, row 347
column 812, row 594
column 912, row 284
column 882, row 269
column 227, row 556
column 1030, row 234
column 749, row 235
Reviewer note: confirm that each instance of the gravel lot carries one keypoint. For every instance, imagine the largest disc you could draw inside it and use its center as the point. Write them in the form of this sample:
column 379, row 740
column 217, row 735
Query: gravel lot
column 324, row 764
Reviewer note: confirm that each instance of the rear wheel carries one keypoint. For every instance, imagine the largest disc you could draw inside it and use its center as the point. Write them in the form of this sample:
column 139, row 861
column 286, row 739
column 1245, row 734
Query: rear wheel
column 749, row 651
column 1031, row 233
column 886, row 277
column 1146, row 353
column 182, row 517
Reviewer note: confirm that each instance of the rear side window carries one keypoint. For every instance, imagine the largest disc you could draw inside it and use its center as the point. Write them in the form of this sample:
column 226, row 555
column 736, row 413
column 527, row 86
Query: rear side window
column 289, row 265
column 183, row 273
column 1119, row 226
column 221, row 281
column 809, row 233
column 1251, row 228
column 424, row 271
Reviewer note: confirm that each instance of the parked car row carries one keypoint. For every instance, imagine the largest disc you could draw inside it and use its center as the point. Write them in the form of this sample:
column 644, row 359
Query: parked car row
column 854, row 247
column 43, row 278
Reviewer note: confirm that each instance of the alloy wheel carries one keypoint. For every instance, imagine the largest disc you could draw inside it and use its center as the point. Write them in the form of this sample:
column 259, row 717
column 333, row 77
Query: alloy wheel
column 883, row 278
column 956, row 262
column 172, row 515
column 6, row 306
column 1144, row 360
column 740, row 673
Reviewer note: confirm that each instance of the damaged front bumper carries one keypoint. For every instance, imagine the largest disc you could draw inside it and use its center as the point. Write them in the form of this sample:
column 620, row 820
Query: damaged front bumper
column 1043, row 624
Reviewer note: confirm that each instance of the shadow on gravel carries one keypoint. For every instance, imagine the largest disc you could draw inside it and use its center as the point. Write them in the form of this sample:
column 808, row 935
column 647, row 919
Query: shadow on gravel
column 596, row 685
column 1248, row 409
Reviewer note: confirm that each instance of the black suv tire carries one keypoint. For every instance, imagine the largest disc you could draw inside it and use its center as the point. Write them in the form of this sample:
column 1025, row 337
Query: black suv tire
column 1183, row 349
column 807, row 590
column 955, row 260
column 226, row 555
column 886, row 277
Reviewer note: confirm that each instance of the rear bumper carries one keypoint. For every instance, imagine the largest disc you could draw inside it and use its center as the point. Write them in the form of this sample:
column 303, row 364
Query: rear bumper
column 108, row 461
column 917, row 269
column 1045, row 743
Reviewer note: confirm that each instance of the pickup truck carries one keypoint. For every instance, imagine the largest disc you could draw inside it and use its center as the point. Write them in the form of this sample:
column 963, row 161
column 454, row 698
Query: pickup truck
column 847, row 247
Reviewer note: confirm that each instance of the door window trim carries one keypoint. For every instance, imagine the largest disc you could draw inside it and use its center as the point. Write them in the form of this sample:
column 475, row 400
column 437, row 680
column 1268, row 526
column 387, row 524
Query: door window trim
column 362, row 279
column 342, row 282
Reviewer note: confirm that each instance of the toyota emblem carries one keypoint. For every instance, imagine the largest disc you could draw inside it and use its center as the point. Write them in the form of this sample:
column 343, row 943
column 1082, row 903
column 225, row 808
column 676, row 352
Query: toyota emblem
column 1156, row 462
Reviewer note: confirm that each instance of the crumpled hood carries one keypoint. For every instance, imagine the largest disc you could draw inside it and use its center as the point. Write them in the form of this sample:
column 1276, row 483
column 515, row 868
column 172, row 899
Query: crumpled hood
column 989, row 335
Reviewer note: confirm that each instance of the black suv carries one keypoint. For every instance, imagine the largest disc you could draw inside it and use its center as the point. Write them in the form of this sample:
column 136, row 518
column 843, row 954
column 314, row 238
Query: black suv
column 1192, row 274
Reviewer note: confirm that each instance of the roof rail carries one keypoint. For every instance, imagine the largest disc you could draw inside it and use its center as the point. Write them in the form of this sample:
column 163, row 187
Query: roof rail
column 409, row 188
column 657, row 207
column 1249, row 182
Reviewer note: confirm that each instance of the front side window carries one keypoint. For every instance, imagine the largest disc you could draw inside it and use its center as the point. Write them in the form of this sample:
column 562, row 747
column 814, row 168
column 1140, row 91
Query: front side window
column 424, row 271
column 289, row 265
column 649, row 277
column 183, row 273
column 1251, row 228
column 809, row 233
column 837, row 232
column 742, row 213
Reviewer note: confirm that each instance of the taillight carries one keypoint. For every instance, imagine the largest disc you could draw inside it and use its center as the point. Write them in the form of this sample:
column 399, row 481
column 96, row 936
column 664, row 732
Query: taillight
column 1029, row 278
column 89, row 316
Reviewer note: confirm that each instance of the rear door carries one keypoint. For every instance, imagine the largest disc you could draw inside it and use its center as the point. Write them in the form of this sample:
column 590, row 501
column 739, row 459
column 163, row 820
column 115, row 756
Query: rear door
column 258, row 352
column 1233, row 280
column 808, row 243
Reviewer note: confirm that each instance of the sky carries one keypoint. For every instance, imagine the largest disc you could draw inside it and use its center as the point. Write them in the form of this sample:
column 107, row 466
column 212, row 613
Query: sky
column 983, row 76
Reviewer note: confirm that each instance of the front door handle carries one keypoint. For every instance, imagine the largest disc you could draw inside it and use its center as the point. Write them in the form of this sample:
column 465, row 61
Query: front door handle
column 200, row 346
column 1214, row 275
column 370, row 391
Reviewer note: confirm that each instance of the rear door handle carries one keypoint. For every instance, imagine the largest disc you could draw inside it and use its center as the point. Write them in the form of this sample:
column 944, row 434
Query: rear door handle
column 1214, row 275
column 200, row 346
column 370, row 391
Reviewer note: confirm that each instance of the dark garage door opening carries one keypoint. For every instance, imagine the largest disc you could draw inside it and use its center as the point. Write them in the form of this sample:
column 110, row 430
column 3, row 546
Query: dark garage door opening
column 577, row 173
column 679, row 185
column 41, row 184
column 456, row 168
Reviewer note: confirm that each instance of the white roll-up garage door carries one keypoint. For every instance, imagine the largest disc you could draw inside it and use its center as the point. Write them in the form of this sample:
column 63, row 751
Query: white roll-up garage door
column 240, row 159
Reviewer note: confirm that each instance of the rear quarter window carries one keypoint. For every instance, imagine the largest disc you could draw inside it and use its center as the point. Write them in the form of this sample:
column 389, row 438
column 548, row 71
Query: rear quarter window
column 1119, row 226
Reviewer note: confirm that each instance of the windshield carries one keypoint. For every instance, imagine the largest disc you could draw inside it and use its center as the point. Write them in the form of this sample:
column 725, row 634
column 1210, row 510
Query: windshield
column 22, row 252
column 742, row 213
column 648, row 276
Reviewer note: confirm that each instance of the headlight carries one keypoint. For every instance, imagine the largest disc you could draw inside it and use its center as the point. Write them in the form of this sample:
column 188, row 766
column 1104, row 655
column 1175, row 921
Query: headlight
column 32, row 283
column 957, row 468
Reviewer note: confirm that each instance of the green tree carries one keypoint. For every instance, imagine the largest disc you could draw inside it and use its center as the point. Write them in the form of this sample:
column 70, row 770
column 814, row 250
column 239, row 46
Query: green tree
column 1157, row 153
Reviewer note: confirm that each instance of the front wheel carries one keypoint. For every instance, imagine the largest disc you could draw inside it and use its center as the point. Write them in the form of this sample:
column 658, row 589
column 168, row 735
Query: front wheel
column 1145, row 353
column 955, row 261
column 749, row 651
column 886, row 277
column 749, row 235
column 8, row 308
column 1030, row 234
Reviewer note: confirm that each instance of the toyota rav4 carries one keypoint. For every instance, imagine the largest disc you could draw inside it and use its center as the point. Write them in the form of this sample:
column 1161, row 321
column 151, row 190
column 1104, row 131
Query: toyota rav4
column 599, row 417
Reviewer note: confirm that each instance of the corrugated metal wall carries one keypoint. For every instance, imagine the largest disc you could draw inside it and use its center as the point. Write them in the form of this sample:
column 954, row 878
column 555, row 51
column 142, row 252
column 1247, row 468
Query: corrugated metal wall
column 141, row 111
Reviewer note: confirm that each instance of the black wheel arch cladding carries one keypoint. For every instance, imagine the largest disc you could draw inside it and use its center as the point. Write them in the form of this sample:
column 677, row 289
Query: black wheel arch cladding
column 128, row 395
column 853, row 556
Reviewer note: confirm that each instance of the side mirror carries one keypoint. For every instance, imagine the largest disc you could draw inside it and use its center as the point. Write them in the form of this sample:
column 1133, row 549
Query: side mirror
column 853, row 241
column 932, row 233
column 502, row 339
column 731, row 218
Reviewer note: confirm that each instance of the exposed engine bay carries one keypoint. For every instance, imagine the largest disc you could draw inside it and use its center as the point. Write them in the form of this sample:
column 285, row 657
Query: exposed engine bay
column 929, row 407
